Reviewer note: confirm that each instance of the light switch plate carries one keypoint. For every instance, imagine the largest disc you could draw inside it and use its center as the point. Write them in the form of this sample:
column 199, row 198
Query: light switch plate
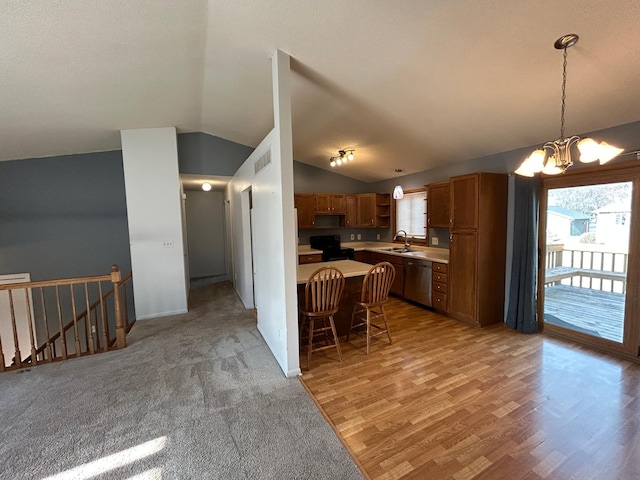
column 434, row 240
column 359, row 236
column 353, row 236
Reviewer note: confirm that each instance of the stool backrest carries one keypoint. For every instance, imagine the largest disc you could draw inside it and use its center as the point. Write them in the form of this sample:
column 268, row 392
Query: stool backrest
column 323, row 290
column 377, row 283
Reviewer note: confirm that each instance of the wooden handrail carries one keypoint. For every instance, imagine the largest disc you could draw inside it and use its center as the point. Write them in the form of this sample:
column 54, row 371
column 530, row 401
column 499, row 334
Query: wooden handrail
column 88, row 319
column 53, row 283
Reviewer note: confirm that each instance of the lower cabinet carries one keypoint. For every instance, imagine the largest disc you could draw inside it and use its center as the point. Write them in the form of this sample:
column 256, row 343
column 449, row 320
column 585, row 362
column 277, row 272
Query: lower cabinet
column 310, row 258
column 362, row 256
column 440, row 286
column 398, row 283
column 463, row 299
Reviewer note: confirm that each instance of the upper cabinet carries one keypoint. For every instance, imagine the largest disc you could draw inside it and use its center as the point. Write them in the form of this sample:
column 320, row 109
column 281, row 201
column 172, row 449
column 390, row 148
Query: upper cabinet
column 366, row 209
column 350, row 211
column 305, row 204
column 464, row 201
column 383, row 210
column 438, row 205
column 343, row 211
column 329, row 204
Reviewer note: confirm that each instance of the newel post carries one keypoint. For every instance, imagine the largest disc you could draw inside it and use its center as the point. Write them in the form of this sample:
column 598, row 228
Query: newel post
column 121, row 333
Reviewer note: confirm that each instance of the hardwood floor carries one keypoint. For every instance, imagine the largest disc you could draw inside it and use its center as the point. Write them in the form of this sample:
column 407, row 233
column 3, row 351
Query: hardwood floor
column 451, row 401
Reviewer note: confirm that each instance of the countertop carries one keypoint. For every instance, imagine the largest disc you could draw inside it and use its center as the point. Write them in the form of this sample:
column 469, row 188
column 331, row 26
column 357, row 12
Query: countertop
column 425, row 253
column 349, row 268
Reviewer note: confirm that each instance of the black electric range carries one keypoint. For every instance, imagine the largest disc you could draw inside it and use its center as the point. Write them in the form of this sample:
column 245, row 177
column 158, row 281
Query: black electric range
column 330, row 246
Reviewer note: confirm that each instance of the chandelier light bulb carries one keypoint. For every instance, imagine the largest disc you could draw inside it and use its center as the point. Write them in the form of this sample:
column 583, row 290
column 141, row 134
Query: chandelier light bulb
column 350, row 156
column 332, row 163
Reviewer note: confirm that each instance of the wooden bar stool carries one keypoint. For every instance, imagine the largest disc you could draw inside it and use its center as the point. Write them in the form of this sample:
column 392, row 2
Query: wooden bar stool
column 375, row 293
column 322, row 294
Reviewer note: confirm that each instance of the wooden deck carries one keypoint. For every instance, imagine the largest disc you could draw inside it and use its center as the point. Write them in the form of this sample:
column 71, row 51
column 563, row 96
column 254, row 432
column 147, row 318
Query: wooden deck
column 595, row 312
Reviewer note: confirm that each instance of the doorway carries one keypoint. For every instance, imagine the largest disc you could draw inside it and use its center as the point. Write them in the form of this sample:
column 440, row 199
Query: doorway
column 587, row 225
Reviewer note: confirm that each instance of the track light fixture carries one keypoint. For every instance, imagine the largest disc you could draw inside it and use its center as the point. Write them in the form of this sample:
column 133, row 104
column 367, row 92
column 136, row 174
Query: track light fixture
column 343, row 156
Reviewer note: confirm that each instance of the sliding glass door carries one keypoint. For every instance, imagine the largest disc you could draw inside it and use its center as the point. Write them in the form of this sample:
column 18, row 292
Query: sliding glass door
column 587, row 262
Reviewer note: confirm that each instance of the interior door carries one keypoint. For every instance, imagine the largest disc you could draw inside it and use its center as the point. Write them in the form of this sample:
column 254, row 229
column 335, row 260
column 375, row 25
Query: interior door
column 589, row 229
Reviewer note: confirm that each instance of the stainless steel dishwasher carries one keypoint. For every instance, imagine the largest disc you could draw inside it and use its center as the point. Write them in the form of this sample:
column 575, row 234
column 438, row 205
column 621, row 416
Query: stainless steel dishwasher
column 417, row 281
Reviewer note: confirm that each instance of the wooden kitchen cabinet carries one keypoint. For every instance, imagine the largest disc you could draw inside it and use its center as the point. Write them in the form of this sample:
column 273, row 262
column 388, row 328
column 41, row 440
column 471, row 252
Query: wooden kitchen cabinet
column 438, row 205
column 362, row 256
column 440, row 286
column 464, row 201
column 329, row 204
column 383, row 210
column 463, row 257
column 350, row 211
column 366, row 209
column 397, row 288
column 309, row 258
column 477, row 248
column 306, row 207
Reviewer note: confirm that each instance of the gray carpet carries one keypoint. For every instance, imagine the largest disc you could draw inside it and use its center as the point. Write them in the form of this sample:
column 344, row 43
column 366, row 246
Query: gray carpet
column 195, row 396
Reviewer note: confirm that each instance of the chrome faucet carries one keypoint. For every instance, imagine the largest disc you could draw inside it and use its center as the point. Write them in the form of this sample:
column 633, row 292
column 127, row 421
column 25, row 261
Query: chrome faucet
column 406, row 243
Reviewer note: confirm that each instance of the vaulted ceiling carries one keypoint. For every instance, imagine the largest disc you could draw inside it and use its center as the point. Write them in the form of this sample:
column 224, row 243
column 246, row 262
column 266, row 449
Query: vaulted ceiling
column 411, row 85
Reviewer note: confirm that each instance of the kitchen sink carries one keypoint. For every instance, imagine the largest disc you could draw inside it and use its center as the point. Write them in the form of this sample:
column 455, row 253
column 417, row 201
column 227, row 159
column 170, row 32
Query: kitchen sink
column 395, row 249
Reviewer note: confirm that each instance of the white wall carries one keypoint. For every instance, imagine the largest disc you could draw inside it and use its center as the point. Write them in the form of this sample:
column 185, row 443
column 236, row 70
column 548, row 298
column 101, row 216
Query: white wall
column 274, row 257
column 152, row 184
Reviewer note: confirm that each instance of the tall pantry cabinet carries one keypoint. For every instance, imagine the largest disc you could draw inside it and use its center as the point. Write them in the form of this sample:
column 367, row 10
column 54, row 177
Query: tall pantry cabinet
column 478, row 209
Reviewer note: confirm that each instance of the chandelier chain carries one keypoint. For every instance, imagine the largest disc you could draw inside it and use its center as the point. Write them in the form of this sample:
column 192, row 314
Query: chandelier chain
column 564, row 96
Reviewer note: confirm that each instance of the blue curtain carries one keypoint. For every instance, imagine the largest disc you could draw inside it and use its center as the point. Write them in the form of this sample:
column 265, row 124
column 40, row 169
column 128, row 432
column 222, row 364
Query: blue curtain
column 521, row 296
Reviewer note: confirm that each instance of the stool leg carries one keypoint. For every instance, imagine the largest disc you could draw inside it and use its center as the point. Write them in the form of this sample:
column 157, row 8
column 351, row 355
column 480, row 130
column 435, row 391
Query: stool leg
column 335, row 337
column 368, row 329
column 310, row 342
column 386, row 325
column 353, row 312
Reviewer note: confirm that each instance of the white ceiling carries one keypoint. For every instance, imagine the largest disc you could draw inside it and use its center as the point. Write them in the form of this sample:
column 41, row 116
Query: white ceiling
column 410, row 85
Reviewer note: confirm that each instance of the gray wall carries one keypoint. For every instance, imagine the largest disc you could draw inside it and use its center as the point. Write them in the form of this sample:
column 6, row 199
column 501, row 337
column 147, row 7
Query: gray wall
column 205, row 233
column 66, row 216
column 63, row 216
column 203, row 154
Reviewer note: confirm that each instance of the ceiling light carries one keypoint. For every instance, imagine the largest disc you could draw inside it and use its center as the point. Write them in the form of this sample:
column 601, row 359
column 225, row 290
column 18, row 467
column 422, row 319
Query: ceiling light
column 398, row 193
column 343, row 157
column 555, row 156
column 206, row 186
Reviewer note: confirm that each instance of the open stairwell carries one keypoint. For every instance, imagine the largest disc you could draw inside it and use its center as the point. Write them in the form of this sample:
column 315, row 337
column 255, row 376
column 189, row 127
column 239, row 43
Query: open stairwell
column 53, row 320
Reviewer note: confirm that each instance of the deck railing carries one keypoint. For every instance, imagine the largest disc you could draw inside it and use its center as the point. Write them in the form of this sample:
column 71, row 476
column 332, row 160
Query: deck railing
column 74, row 316
column 589, row 268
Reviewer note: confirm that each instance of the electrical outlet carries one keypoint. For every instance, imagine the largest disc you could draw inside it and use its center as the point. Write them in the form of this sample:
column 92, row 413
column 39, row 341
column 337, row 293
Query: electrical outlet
column 167, row 244
column 359, row 236
column 377, row 236
column 434, row 240
column 353, row 237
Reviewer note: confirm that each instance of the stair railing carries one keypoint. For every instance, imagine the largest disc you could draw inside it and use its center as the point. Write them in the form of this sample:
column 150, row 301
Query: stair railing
column 50, row 310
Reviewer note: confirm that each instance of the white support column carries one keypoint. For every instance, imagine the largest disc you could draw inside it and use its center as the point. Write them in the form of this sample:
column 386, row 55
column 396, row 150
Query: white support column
column 152, row 184
column 282, row 120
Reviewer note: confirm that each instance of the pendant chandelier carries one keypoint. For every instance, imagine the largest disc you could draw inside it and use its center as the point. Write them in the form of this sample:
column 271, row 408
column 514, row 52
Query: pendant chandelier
column 555, row 157
column 398, row 193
